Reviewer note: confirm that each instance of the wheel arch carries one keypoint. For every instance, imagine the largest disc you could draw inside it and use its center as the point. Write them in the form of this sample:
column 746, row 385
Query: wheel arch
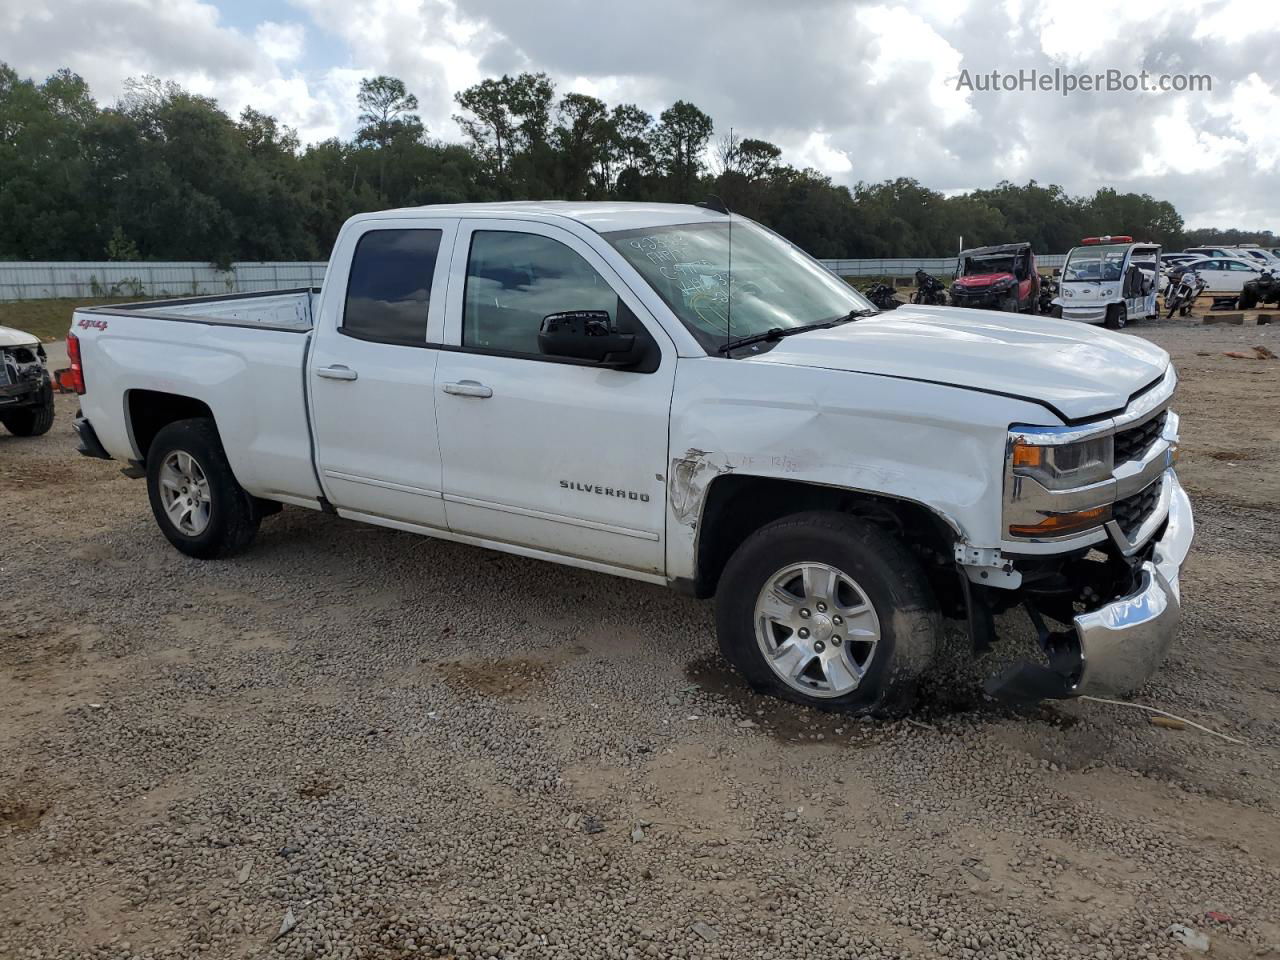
column 147, row 412
column 736, row 505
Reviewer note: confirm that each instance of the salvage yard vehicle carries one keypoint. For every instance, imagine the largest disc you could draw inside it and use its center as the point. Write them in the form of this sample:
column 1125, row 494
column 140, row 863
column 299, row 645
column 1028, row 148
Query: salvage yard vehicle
column 1182, row 293
column 1262, row 290
column 668, row 393
column 1002, row 277
column 26, row 389
column 929, row 290
column 1109, row 280
column 1220, row 274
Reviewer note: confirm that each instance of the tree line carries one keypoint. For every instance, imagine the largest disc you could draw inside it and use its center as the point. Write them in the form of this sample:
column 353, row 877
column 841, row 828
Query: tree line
column 165, row 174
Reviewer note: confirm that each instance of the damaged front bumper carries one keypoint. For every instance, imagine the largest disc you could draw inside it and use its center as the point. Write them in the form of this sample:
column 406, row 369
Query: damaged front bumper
column 1115, row 648
column 1123, row 642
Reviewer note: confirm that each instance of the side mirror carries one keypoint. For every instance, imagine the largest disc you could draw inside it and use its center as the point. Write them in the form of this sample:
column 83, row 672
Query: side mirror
column 587, row 335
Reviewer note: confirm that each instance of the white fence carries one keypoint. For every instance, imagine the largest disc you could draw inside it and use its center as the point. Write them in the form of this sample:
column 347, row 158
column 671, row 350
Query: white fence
column 907, row 266
column 44, row 281
column 48, row 280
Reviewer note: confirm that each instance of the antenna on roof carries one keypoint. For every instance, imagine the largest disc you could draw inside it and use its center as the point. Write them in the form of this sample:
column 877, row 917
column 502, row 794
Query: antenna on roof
column 715, row 203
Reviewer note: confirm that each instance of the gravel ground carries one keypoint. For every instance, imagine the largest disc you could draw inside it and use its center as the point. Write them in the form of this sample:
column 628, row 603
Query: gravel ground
column 352, row 742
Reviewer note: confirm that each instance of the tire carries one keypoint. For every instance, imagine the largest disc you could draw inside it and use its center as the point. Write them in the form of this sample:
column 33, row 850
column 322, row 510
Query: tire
column 224, row 519
column 1248, row 299
column 31, row 421
column 1056, row 312
column 1117, row 316
column 872, row 569
column 1009, row 305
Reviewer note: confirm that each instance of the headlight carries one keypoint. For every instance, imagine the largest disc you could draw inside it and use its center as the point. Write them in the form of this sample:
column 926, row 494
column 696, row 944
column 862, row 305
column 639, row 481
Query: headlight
column 1003, row 284
column 1068, row 293
column 1072, row 489
column 1108, row 292
column 1066, row 465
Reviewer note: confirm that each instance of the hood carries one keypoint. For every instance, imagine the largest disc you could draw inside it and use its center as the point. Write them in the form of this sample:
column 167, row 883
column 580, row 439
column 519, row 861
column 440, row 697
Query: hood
column 1076, row 370
column 10, row 337
column 982, row 279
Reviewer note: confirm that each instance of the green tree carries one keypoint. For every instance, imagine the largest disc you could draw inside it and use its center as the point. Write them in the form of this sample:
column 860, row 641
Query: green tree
column 679, row 142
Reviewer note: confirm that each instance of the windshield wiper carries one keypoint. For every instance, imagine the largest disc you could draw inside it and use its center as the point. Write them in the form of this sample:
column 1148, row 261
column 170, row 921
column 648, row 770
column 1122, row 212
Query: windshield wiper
column 777, row 333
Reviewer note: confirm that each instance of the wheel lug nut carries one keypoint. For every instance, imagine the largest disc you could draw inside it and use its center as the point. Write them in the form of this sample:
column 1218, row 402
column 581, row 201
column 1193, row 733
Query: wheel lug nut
column 803, row 633
column 822, row 608
column 836, row 641
column 819, row 646
column 804, row 612
column 837, row 619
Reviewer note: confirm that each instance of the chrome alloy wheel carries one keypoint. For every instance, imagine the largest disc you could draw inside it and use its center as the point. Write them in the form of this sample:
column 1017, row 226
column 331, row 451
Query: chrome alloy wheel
column 817, row 629
column 184, row 490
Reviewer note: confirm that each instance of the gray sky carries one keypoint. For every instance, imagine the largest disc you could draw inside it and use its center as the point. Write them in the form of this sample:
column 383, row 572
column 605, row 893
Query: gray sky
column 859, row 90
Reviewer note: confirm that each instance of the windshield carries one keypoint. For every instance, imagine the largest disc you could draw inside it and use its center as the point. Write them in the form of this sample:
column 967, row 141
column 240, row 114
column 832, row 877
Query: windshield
column 773, row 285
column 979, row 266
column 1103, row 262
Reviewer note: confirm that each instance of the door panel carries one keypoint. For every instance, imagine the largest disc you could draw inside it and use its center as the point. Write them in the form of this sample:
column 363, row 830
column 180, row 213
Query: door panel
column 565, row 457
column 372, row 376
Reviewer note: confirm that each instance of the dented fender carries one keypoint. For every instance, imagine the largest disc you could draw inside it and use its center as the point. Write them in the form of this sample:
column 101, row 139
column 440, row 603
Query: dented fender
column 936, row 445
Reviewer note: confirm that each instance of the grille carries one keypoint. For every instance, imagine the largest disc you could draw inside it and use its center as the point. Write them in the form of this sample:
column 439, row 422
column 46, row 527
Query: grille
column 1130, row 512
column 1133, row 443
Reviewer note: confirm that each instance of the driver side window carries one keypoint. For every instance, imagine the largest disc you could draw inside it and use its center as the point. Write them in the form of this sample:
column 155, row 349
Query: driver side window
column 515, row 279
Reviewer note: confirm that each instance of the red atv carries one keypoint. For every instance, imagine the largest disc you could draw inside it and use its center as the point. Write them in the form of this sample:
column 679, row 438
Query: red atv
column 1003, row 277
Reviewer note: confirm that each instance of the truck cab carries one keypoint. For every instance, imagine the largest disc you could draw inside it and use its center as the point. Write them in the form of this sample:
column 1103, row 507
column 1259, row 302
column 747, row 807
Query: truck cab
column 1109, row 280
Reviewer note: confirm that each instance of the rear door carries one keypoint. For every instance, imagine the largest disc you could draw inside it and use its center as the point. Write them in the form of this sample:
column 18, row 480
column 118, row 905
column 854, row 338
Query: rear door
column 371, row 375
column 545, row 452
column 1214, row 274
column 1238, row 274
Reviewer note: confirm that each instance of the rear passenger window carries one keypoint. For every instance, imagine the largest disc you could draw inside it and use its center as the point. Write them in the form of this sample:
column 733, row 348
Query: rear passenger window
column 389, row 288
column 516, row 279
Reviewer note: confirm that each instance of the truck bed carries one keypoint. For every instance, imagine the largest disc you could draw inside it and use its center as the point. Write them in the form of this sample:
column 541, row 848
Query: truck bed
column 289, row 310
column 241, row 356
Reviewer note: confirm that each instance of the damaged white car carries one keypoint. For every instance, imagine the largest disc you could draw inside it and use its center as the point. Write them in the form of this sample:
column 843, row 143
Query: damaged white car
column 677, row 395
column 26, row 389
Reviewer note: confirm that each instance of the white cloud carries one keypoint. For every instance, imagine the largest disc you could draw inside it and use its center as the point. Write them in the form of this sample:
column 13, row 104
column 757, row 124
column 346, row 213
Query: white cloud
column 282, row 42
column 817, row 152
column 861, row 91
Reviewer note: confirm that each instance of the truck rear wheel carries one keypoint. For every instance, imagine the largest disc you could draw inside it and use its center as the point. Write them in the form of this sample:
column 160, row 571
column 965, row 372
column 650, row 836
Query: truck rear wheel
column 31, row 421
column 200, row 507
column 830, row 611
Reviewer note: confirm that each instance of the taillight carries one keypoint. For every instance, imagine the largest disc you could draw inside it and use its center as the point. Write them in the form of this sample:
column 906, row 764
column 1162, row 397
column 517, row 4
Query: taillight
column 74, row 377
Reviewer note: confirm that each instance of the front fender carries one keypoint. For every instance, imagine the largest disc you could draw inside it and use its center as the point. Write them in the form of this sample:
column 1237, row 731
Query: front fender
column 931, row 444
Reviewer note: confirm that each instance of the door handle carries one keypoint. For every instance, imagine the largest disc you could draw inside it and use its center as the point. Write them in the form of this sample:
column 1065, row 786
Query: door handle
column 468, row 388
column 337, row 372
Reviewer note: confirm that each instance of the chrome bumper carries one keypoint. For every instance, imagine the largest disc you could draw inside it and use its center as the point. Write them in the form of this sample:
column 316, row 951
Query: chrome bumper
column 1123, row 643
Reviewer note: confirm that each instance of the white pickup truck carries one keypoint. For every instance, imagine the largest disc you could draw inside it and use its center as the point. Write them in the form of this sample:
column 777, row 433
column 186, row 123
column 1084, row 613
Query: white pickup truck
column 680, row 396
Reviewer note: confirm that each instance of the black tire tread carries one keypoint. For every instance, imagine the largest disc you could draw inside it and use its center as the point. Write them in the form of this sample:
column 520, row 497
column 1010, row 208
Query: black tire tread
column 233, row 523
column 916, row 621
column 31, row 421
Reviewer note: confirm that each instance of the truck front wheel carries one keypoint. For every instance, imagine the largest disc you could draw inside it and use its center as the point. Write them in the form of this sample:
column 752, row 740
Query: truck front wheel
column 200, row 507
column 830, row 611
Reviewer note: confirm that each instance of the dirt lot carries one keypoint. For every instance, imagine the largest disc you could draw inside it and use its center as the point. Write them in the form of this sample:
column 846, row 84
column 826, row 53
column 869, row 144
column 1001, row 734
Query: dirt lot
column 408, row 747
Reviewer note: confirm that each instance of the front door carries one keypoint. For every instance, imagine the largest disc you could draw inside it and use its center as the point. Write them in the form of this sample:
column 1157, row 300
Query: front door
column 554, row 454
column 371, row 374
